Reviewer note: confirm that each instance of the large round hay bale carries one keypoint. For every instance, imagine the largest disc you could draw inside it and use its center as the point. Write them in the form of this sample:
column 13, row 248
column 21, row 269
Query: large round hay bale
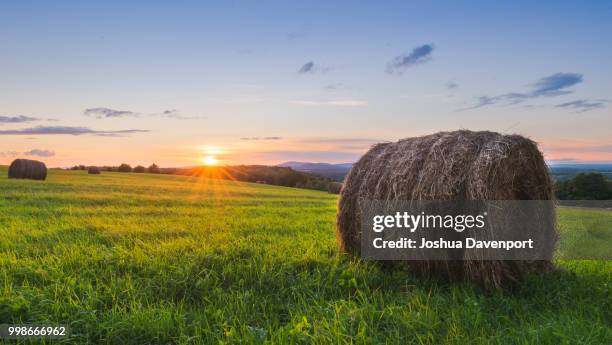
column 93, row 170
column 459, row 165
column 28, row 169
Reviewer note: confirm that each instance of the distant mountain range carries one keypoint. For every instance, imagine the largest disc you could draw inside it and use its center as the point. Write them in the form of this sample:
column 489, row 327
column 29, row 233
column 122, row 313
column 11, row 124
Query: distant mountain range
column 335, row 172
column 568, row 170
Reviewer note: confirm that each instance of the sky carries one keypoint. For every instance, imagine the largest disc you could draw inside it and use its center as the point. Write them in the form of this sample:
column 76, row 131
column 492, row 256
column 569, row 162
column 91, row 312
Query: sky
column 262, row 82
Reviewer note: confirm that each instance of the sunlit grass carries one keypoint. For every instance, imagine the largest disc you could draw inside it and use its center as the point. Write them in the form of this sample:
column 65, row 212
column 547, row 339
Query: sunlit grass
column 585, row 233
column 158, row 259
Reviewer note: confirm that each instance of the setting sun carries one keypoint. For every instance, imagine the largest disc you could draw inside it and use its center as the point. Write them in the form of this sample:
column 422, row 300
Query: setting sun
column 210, row 155
column 210, row 160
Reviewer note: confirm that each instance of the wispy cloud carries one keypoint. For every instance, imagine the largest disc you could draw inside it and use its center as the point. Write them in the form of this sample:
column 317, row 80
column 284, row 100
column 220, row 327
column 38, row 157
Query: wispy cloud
column 451, row 85
column 33, row 152
column 9, row 153
column 261, row 138
column 311, row 68
column 103, row 112
column 333, row 103
column 418, row 55
column 307, row 67
column 555, row 85
column 334, row 86
column 40, row 153
column 66, row 130
column 583, row 105
column 175, row 114
column 17, row 119
column 294, row 36
column 550, row 86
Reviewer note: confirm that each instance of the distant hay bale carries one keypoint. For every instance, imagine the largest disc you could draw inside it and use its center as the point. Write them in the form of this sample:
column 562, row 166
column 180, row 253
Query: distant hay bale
column 459, row 165
column 27, row 169
column 93, row 170
column 334, row 187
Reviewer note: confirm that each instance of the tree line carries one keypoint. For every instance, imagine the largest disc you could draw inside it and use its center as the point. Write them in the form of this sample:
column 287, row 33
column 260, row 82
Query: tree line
column 153, row 168
column 279, row 176
column 273, row 175
column 584, row 186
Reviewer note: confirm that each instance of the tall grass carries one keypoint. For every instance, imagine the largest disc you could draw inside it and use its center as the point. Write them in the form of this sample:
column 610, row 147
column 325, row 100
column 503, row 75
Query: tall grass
column 157, row 259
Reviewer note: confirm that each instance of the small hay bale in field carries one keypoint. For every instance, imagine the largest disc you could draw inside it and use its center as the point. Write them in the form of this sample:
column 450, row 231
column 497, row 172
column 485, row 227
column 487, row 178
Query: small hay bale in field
column 27, row 169
column 93, row 170
column 334, row 187
column 459, row 165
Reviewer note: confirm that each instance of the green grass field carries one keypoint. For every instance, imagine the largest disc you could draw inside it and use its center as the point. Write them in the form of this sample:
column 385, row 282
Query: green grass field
column 159, row 259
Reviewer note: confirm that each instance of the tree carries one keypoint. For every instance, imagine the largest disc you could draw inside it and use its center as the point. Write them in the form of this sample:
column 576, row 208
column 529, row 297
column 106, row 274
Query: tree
column 584, row 186
column 124, row 168
column 139, row 169
column 562, row 190
column 154, row 169
column 590, row 186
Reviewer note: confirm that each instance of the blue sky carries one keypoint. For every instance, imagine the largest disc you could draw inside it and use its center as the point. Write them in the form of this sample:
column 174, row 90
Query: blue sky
column 265, row 82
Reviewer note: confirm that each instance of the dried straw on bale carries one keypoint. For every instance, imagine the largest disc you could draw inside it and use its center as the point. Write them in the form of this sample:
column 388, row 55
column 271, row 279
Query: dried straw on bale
column 93, row 170
column 459, row 165
column 29, row 169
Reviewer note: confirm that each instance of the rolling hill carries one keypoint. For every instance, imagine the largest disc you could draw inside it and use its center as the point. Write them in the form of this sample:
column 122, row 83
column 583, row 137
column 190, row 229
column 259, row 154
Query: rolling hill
column 335, row 172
